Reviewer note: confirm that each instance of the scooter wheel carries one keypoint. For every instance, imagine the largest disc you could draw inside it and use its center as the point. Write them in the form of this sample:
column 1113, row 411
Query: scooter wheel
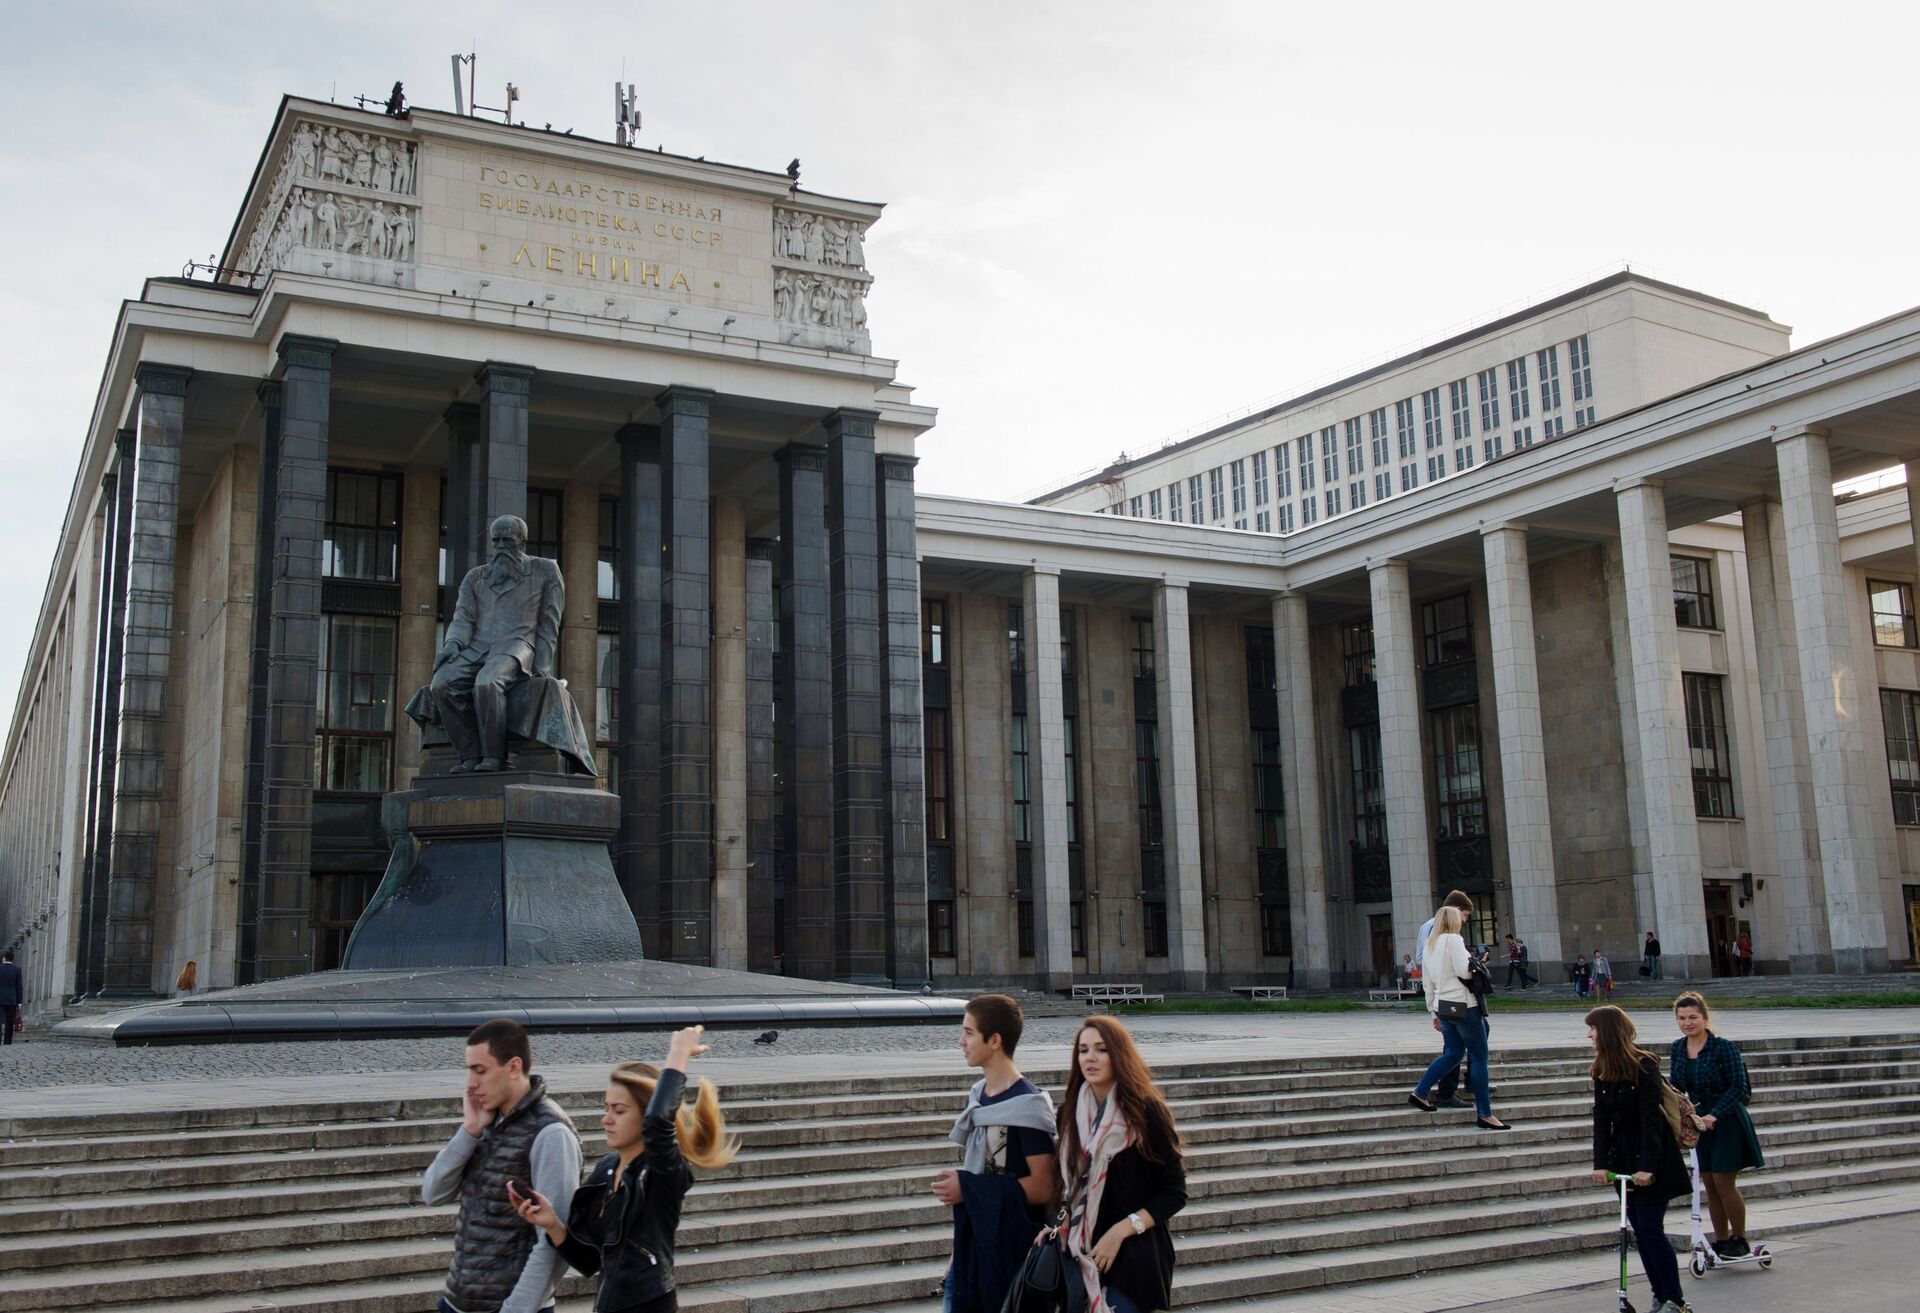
column 1698, row 1266
column 1763, row 1257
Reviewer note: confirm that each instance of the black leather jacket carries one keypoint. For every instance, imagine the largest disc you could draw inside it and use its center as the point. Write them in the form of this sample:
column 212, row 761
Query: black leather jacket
column 624, row 1229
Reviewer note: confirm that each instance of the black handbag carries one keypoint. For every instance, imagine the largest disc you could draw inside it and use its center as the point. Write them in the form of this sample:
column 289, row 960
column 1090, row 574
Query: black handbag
column 1452, row 1009
column 1041, row 1284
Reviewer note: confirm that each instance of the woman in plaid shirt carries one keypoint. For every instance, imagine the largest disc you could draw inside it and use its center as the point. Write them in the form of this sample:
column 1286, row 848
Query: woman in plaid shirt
column 1708, row 1069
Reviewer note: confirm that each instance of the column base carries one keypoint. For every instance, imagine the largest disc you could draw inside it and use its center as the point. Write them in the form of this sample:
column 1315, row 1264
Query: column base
column 1859, row 961
column 1187, row 982
column 1810, row 964
column 1053, row 982
column 1692, row 968
column 1312, row 978
column 870, row 981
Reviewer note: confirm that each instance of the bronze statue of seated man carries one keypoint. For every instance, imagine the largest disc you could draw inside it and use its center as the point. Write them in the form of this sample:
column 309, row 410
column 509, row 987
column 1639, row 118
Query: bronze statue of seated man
column 505, row 630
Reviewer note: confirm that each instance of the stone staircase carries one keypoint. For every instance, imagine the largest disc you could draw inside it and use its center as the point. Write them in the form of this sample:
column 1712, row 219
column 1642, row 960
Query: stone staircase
column 1303, row 1173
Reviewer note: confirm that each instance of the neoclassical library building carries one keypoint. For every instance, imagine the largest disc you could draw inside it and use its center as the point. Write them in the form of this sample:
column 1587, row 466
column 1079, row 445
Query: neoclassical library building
column 1603, row 612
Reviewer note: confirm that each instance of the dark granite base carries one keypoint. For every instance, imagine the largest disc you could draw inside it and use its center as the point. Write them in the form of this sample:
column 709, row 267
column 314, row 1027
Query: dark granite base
column 453, row 1000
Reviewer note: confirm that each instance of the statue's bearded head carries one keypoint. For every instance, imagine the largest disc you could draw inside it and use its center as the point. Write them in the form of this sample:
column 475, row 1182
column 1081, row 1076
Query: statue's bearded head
column 508, row 534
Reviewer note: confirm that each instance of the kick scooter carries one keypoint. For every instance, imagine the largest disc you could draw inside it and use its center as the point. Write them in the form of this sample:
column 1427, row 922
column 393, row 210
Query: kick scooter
column 1705, row 1257
column 1626, row 1239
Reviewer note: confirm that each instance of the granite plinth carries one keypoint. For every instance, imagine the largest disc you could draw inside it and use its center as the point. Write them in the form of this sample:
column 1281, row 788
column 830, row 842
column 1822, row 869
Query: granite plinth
column 599, row 996
column 509, row 868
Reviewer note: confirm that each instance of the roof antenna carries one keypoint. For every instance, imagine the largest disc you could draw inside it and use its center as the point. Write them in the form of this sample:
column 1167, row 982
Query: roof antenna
column 459, row 99
column 626, row 114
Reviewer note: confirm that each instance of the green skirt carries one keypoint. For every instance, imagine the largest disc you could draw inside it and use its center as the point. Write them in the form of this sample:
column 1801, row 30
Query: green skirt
column 1731, row 1146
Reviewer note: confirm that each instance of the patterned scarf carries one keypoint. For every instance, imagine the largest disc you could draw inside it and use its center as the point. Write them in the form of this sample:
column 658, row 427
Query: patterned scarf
column 1099, row 1143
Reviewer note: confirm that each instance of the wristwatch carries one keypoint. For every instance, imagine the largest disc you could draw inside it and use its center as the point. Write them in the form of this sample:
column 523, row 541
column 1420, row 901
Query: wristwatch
column 1139, row 1227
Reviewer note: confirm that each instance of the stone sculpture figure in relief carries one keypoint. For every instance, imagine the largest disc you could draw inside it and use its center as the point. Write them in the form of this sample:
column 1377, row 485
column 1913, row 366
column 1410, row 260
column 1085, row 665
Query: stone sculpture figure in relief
column 504, row 634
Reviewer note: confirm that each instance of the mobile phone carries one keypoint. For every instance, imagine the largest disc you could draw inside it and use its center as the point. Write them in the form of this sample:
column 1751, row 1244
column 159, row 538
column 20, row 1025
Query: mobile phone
column 520, row 1188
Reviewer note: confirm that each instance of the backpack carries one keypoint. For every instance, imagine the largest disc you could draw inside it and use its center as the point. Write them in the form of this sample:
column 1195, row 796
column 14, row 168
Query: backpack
column 1682, row 1120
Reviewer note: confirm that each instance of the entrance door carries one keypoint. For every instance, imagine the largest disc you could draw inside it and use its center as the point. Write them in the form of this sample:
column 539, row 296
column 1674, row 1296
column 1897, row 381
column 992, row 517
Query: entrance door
column 1913, row 923
column 1380, row 927
column 1720, row 928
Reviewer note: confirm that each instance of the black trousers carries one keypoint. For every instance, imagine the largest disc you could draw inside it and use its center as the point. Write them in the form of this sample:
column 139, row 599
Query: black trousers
column 12, row 1015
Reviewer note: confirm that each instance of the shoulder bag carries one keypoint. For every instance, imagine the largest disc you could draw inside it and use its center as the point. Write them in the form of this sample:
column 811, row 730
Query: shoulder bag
column 1041, row 1284
column 1452, row 1009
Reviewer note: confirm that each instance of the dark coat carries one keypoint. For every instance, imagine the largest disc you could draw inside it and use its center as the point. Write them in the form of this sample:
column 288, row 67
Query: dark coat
column 1631, row 1134
column 627, row 1236
column 992, row 1231
column 1143, row 1270
column 13, row 985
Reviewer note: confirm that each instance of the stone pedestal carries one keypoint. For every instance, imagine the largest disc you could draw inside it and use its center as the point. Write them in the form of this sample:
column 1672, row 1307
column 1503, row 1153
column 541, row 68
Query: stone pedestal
column 502, row 869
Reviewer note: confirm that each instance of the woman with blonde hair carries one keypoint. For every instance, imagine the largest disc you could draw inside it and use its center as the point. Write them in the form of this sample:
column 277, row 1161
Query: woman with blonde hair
column 623, row 1219
column 1632, row 1137
column 1123, row 1176
column 1456, row 1015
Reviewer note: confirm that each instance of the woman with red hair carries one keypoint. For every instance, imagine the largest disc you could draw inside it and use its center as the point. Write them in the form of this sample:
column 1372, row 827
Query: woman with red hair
column 1120, row 1163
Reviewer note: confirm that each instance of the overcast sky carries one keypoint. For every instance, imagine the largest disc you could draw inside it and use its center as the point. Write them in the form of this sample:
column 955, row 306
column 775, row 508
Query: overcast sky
column 1109, row 221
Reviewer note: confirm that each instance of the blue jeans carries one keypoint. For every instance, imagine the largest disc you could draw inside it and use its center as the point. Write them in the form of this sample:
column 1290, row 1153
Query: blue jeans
column 445, row 1307
column 1468, row 1037
column 1648, row 1217
column 1119, row 1303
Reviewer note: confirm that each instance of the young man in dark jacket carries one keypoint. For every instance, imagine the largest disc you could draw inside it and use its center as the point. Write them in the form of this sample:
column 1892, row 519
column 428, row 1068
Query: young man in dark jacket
column 13, row 994
column 510, row 1131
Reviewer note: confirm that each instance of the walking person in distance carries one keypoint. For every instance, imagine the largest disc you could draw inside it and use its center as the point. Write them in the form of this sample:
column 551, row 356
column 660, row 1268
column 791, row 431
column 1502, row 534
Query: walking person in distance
column 1445, row 1094
column 1650, row 957
column 1459, row 1017
column 1006, row 1180
column 1708, row 1069
column 622, row 1222
column 509, row 1131
column 13, row 994
column 1120, row 1160
column 1633, row 1137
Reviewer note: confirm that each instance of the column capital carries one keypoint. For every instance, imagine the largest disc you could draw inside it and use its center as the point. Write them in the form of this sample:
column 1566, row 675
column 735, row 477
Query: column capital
column 898, row 468
column 852, row 423
column 162, row 380
column 1504, row 526
column 1792, row 431
column 124, row 443
column 298, row 351
column 761, row 549
column 1037, row 567
column 683, row 402
column 1386, row 563
column 268, row 390
column 1638, row 482
column 802, row 456
column 505, row 378
column 464, row 415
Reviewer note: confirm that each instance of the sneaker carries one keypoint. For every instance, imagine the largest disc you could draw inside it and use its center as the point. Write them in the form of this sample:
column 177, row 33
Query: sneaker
column 1453, row 1101
column 1732, row 1247
column 1671, row 1306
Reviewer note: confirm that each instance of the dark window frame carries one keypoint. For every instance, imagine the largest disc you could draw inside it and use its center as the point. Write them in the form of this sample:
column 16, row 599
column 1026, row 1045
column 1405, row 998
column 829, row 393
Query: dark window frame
column 1900, row 721
column 1693, row 607
column 329, row 737
column 1368, row 779
column 1709, row 745
column 933, row 631
column 1357, row 653
column 1459, row 771
column 1903, row 618
column 376, row 534
column 1445, row 638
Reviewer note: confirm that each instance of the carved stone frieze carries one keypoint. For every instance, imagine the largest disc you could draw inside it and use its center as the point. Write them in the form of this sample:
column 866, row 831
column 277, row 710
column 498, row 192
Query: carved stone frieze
column 823, row 300
column 336, row 190
column 819, row 240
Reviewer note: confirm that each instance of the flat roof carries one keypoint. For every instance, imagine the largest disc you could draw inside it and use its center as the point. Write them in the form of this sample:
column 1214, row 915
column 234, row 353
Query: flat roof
column 1489, row 329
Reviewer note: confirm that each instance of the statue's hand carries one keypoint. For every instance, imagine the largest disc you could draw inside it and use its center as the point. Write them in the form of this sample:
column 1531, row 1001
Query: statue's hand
column 448, row 651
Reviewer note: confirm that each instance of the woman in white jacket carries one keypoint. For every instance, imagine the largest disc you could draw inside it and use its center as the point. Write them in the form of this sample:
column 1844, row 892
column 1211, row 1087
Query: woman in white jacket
column 1456, row 1015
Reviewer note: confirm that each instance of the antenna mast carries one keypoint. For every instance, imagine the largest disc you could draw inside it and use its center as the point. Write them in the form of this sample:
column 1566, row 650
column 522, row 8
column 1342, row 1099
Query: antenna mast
column 626, row 115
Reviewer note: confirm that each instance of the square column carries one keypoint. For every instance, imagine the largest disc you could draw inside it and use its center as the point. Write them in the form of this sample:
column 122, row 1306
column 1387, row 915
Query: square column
column 1179, row 788
column 729, row 710
column 686, row 689
column 116, row 494
column 1047, row 779
column 466, row 509
column 419, row 602
column 1523, row 750
column 807, row 702
column 1396, row 665
column 636, row 850
column 506, row 393
column 580, row 567
column 1665, row 763
column 139, row 780
column 853, row 569
column 1830, row 683
column 246, row 965
column 1784, row 717
column 283, row 943
column 905, row 761
column 1300, row 792
column 762, row 878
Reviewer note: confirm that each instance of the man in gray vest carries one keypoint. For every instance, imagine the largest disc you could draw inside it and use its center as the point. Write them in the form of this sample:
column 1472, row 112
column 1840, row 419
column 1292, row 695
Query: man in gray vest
column 510, row 1131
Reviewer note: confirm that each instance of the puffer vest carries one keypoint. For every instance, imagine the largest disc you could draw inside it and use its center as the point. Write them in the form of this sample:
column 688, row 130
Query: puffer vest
column 490, row 1242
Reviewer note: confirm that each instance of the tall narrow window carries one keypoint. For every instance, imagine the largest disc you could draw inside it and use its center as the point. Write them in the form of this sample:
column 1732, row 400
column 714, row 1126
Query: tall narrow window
column 1282, row 472
column 607, row 568
column 933, row 631
column 1377, row 436
column 1357, row 494
column 1447, row 630
column 1489, row 399
column 1283, row 521
column 1460, row 402
column 1309, row 510
column 1432, row 421
column 1146, row 781
column 1261, row 487
column 1194, row 514
column 1175, row 510
column 1073, row 787
column 1893, row 624
column 1462, row 811
column 543, row 523
column 1580, row 371
column 1707, row 742
column 1333, row 502
column 1356, row 456
column 1269, row 807
column 939, row 767
column 1519, row 400
column 1369, row 787
column 1238, row 469
column 1900, row 712
column 1022, row 785
column 1549, row 363
column 1016, row 643
column 1693, row 593
column 1356, row 652
column 1216, row 504
column 1330, row 454
column 363, row 526
column 1383, row 485
column 1134, row 508
column 1153, row 504
column 1407, row 442
column 353, row 744
column 606, row 700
